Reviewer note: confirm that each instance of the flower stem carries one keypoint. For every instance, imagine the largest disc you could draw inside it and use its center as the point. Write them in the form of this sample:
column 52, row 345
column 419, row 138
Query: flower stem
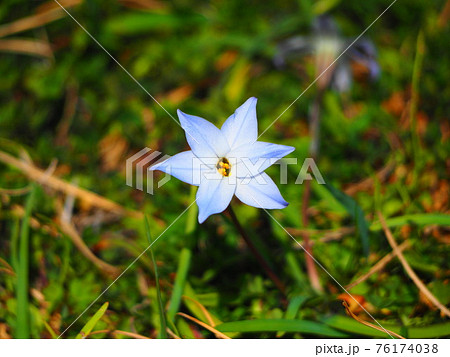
column 310, row 264
column 314, row 127
column 270, row 273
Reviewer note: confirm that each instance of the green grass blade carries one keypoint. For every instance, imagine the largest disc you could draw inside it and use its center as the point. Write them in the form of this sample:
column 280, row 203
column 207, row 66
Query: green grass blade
column 163, row 331
column 355, row 211
column 191, row 221
column 415, row 85
column 196, row 310
column 433, row 331
column 23, row 311
column 294, row 305
column 139, row 23
column 86, row 330
column 184, row 329
column 347, row 324
column 15, row 243
column 180, row 282
column 296, row 271
column 417, row 219
column 50, row 330
column 275, row 325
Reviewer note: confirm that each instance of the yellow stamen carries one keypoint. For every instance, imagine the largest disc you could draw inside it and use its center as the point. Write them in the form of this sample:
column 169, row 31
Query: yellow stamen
column 224, row 167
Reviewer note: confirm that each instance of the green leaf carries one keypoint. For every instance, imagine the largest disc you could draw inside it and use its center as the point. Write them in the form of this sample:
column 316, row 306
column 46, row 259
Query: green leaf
column 163, row 330
column 237, row 80
column 180, row 282
column 23, row 310
column 418, row 219
column 355, row 211
column 274, row 325
column 86, row 330
column 139, row 22
column 322, row 6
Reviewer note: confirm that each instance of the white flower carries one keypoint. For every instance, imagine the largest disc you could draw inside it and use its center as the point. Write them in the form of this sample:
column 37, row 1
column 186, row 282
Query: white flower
column 226, row 162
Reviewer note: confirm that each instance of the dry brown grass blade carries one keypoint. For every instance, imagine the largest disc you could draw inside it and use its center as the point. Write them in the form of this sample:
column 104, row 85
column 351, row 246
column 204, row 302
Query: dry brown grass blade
column 445, row 15
column 204, row 310
column 368, row 324
column 144, row 4
column 27, row 47
column 5, row 263
column 326, row 235
column 7, row 271
column 57, row 184
column 70, row 107
column 206, row 326
column 411, row 273
column 8, row 268
column 30, row 22
column 69, row 230
column 378, row 266
column 65, row 221
column 120, row 332
column 368, row 183
column 19, row 211
column 173, row 334
column 15, row 191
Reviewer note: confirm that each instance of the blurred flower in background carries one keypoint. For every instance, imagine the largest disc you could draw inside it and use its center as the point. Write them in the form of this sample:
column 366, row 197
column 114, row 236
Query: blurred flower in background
column 326, row 45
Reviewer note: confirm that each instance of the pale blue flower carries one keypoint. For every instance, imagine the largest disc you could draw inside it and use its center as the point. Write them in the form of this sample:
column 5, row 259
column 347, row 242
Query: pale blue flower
column 328, row 46
column 226, row 162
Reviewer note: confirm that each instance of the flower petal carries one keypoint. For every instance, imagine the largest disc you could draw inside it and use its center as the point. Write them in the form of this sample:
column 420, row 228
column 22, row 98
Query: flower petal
column 185, row 166
column 204, row 138
column 255, row 158
column 260, row 192
column 214, row 196
column 242, row 127
column 342, row 77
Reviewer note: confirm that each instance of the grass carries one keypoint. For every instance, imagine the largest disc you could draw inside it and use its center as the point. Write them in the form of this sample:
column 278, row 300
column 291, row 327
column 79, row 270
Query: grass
column 180, row 282
column 70, row 117
column 162, row 313
column 87, row 329
column 22, row 289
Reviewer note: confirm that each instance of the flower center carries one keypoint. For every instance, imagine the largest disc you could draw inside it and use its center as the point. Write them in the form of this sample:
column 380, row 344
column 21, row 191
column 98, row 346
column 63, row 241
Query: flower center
column 224, row 167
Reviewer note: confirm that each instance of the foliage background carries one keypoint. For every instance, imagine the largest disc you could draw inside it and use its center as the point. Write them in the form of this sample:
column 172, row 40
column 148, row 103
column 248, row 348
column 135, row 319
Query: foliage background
column 67, row 102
